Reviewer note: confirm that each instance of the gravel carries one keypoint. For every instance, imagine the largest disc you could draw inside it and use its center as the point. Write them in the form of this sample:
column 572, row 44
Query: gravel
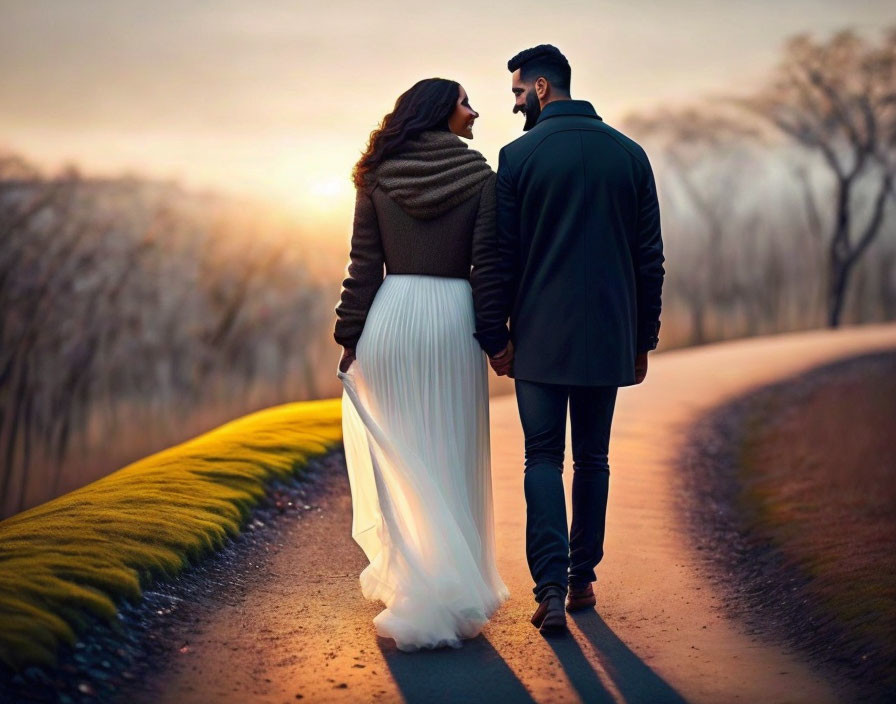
column 109, row 659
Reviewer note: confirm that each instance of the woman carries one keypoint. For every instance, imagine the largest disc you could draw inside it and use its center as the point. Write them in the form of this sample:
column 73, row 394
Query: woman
column 415, row 402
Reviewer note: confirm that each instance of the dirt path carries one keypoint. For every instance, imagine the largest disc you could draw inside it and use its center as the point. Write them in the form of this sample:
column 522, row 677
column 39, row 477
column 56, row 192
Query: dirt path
column 659, row 634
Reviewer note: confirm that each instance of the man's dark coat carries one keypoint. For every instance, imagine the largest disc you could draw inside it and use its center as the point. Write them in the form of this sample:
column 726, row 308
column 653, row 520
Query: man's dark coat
column 577, row 260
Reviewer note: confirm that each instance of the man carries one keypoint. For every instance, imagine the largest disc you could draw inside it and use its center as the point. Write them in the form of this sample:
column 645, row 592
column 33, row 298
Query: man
column 576, row 266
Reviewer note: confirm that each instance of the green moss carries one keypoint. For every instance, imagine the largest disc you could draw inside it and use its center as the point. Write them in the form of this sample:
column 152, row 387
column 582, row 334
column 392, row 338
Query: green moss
column 80, row 554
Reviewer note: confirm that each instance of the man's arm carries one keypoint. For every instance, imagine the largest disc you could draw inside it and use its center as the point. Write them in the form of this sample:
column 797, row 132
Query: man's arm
column 649, row 260
column 494, row 254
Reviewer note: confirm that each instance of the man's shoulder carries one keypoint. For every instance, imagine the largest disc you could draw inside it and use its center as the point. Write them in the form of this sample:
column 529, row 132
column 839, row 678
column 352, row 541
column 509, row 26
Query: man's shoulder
column 514, row 148
column 528, row 140
column 524, row 145
column 627, row 143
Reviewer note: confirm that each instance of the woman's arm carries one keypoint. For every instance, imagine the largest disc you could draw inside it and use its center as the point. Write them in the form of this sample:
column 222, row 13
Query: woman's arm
column 365, row 273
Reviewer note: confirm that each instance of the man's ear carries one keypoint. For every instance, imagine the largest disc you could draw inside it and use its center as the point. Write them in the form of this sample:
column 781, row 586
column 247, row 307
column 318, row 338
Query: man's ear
column 541, row 88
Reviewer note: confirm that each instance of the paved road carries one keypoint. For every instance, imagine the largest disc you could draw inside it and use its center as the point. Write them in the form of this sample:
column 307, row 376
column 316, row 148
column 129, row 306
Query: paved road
column 658, row 635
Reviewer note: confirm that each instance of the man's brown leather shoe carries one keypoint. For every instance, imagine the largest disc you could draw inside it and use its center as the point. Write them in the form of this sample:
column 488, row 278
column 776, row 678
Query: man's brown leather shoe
column 550, row 617
column 580, row 598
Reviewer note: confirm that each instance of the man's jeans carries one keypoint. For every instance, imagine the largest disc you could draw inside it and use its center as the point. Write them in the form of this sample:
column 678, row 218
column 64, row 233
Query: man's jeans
column 555, row 557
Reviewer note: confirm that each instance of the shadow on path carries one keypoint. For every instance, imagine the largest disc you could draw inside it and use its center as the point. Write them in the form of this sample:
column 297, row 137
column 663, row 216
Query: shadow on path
column 477, row 672
column 633, row 678
column 582, row 676
column 474, row 673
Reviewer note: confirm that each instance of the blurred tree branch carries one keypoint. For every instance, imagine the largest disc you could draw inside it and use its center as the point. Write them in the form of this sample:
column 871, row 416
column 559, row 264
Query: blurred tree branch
column 838, row 99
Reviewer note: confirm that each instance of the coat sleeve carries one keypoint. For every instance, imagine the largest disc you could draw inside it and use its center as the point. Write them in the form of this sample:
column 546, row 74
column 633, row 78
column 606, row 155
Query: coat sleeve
column 364, row 273
column 492, row 274
column 649, row 260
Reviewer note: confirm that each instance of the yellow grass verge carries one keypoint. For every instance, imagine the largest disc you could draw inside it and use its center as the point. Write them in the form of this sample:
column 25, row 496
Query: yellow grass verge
column 80, row 553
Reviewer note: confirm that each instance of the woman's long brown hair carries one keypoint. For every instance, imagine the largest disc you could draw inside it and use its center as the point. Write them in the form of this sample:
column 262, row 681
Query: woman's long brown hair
column 426, row 105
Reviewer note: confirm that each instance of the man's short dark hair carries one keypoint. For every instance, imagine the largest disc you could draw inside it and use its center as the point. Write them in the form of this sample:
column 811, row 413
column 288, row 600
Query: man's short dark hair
column 542, row 60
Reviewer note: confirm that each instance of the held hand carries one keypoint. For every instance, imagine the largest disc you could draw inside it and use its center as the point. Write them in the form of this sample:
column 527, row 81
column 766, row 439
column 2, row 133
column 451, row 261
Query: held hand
column 640, row 367
column 502, row 362
column 348, row 356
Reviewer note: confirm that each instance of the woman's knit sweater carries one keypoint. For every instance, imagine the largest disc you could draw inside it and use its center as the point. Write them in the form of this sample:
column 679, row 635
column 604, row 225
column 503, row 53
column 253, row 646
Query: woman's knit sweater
column 429, row 210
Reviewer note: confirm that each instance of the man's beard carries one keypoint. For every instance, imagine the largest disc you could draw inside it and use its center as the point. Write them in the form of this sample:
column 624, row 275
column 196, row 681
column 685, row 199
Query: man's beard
column 531, row 111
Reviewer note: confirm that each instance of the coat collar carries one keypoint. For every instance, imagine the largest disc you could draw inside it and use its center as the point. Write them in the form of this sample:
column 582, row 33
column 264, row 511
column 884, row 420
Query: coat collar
column 581, row 108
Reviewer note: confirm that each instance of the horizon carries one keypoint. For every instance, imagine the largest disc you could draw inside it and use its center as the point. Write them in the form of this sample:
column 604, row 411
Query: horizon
column 264, row 102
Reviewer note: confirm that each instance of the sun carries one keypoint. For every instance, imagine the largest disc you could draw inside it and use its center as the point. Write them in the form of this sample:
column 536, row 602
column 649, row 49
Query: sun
column 317, row 198
column 331, row 187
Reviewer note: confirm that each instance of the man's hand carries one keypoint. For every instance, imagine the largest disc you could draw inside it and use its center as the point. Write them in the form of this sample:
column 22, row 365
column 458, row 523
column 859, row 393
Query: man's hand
column 348, row 356
column 502, row 362
column 640, row 367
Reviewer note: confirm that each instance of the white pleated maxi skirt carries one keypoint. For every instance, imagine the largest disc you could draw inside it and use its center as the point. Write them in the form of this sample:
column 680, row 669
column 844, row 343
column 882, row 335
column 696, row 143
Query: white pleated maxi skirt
column 416, row 434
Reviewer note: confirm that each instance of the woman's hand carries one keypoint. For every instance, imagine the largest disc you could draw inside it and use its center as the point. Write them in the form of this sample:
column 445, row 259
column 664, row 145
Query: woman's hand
column 502, row 362
column 348, row 356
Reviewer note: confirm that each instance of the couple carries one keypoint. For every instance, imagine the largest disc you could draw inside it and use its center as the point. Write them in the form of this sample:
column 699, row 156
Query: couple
column 564, row 241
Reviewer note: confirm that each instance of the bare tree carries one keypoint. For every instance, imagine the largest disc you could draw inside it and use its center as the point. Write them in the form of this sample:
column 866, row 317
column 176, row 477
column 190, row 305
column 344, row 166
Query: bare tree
column 705, row 158
column 133, row 310
column 837, row 99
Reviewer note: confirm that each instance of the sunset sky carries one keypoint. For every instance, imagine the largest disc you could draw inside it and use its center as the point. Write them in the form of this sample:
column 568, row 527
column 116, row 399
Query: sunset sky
column 277, row 98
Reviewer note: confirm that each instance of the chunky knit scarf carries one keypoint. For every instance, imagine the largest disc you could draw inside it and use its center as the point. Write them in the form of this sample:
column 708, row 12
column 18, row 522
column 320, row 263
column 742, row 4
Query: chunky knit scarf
column 432, row 174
